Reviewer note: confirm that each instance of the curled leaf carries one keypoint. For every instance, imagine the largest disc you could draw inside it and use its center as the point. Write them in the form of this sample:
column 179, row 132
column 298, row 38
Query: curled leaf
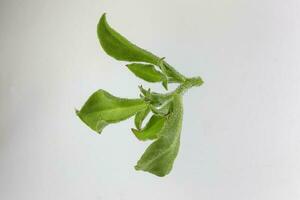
column 103, row 108
column 140, row 116
column 159, row 157
column 151, row 129
column 117, row 46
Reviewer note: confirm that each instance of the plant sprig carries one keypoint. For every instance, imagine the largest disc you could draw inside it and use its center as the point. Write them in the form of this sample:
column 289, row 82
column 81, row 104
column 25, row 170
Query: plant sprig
column 166, row 110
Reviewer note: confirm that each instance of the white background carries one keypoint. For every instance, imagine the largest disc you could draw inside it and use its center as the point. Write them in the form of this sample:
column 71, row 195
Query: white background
column 241, row 129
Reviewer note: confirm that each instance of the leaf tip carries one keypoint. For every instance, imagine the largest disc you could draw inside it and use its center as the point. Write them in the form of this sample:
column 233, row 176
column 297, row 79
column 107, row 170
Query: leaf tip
column 103, row 16
column 137, row 168
column 102, row 23
column 135, row 132
column 165, row 84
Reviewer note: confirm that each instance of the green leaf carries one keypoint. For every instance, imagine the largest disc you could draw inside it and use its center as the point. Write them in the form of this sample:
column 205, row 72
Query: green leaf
column 103, row 108
column 165, row 83
column 162, row 110
column 159, row 157
column 152, row 128
column 146, row 72
column 117, row 46
column 140, row 116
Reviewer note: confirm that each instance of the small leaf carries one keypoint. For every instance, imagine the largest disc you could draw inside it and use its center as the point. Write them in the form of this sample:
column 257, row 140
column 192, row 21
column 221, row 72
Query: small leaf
column 146, row 72
column 159, row 157
column 140, row 116
column 162, row 110
column 103, row 108
column 165, row 83
column 117, row 46
column 152, row 128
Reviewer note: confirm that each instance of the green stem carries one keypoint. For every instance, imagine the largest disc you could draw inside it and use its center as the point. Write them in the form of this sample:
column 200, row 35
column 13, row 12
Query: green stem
column 174, row 73
column 187, row 84
column 181, row 89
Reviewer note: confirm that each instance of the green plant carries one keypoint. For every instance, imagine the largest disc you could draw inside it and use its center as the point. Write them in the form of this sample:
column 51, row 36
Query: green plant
column 164, row 126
